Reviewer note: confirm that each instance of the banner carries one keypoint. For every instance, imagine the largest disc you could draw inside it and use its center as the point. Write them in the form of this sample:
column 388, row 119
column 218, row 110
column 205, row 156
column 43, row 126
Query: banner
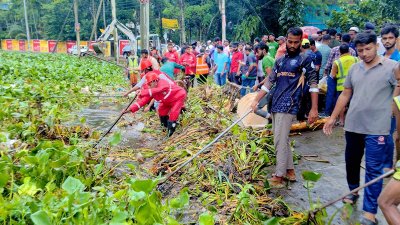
column 91, row 45
column 36, row 45
column 70, row 44
column 51, row 44
column 122, row 44
column 170, row 23
column 22, row 46
column 15, row 45
column 9, row 44
column 44, row 46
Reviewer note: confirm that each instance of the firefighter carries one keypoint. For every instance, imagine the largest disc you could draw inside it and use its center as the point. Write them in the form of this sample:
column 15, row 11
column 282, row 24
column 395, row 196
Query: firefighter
column 170, row 96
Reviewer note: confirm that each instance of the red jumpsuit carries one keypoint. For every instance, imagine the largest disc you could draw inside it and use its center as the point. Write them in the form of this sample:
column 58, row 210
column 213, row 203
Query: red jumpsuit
column 171, row 97
column 189, row 61
column 173, row 57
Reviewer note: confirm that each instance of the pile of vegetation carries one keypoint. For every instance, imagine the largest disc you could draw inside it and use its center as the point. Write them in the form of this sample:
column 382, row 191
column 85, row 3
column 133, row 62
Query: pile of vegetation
column 50, row 174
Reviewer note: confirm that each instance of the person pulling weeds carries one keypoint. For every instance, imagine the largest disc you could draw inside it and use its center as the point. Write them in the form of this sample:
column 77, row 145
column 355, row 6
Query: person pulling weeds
column 170, row 96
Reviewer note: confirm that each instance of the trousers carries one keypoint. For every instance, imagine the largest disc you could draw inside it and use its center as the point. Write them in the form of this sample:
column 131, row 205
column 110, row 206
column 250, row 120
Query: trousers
column 281, row 123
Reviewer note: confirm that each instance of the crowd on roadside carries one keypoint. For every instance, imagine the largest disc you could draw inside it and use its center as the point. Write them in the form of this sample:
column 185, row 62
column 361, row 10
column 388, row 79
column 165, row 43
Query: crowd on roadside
column 360, row 71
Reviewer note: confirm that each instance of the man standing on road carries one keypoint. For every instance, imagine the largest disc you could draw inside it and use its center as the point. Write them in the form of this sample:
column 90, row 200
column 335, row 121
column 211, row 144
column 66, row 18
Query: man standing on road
column 249, row 70
column 370, row 84
column 219, row 69
column 288, row 75
column 237, row 56
column 389, row 34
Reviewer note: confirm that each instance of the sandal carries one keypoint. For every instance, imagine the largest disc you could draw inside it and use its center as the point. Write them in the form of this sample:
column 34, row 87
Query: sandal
column 350, row 199
column 276, row 182
column 290, row 176
column 365, row 221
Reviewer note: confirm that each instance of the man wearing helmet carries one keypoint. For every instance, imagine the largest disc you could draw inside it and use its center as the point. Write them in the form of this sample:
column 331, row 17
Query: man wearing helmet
column 170, row 96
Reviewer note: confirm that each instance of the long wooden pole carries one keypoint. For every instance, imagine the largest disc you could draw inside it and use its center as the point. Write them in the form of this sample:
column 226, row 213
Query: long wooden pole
column 77, row 28
column 95, row 21
column 183, row 30
column 28, row 36
column 115, row 33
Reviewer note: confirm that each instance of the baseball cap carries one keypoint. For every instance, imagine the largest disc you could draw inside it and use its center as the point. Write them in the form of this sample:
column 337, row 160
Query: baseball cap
column 305, row 41
column 369, row 26
column 355, row 29
column 280, row 38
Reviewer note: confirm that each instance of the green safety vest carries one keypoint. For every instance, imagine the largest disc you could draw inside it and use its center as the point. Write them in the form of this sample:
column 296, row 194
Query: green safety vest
column 132, row 63
column 344, row 64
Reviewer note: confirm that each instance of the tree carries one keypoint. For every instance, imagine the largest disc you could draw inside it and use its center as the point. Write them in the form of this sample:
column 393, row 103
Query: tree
column 378, row 12
column 291, row 14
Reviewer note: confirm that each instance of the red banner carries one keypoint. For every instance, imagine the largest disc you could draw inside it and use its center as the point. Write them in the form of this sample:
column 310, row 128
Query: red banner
column 36, row 45
column 22, row 46
column 51, row 44
column 122, row 44
column 9, row 44
column 70, row 44
column 91, row 45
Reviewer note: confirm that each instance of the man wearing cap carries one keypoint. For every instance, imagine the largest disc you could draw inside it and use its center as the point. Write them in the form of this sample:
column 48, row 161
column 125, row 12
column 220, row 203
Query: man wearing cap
column 282, row 47
column 353, row 31
column 272, row 45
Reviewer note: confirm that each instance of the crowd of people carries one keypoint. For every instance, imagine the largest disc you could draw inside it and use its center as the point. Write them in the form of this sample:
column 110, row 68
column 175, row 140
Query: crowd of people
column 360, row 69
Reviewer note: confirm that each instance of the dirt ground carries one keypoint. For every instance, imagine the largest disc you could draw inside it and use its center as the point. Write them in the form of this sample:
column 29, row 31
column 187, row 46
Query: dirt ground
column 333, row 181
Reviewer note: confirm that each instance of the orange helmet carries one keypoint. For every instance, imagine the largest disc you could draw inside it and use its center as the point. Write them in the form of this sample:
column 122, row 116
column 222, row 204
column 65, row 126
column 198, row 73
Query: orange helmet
column 151, row 76
column 145, row 63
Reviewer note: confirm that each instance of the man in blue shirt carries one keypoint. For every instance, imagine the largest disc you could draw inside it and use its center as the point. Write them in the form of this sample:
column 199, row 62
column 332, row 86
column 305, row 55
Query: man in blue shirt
column 220, row 66
column 289, row 75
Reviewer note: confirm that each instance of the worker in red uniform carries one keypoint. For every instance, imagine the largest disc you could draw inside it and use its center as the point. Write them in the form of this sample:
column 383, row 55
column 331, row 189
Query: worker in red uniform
column 172, row 56
column 170, row 96
column 188, row 60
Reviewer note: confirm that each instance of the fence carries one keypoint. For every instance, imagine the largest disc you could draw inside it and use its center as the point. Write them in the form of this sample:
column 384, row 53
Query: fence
column 47, row 46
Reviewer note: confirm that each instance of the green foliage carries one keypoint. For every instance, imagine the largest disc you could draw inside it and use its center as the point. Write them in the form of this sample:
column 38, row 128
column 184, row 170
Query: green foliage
column 376, row 11
column 291, row 13
column 246, row 28
column 52, row 182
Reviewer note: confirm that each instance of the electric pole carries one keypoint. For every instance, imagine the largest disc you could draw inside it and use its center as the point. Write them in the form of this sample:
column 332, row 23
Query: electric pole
column 77, row 28
column 183, row 36
column 104, row 15
column 223, row 18
column 95, row 19
column 115, row 33
column 27, row 26
column 144, row 24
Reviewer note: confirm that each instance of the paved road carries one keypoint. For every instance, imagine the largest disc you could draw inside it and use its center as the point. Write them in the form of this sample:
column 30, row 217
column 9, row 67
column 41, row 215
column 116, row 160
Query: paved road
column 333, row 182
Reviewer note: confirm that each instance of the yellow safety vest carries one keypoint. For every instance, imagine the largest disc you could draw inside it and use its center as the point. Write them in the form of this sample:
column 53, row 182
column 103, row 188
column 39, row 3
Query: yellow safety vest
column 132, row 64
column 343, row 64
